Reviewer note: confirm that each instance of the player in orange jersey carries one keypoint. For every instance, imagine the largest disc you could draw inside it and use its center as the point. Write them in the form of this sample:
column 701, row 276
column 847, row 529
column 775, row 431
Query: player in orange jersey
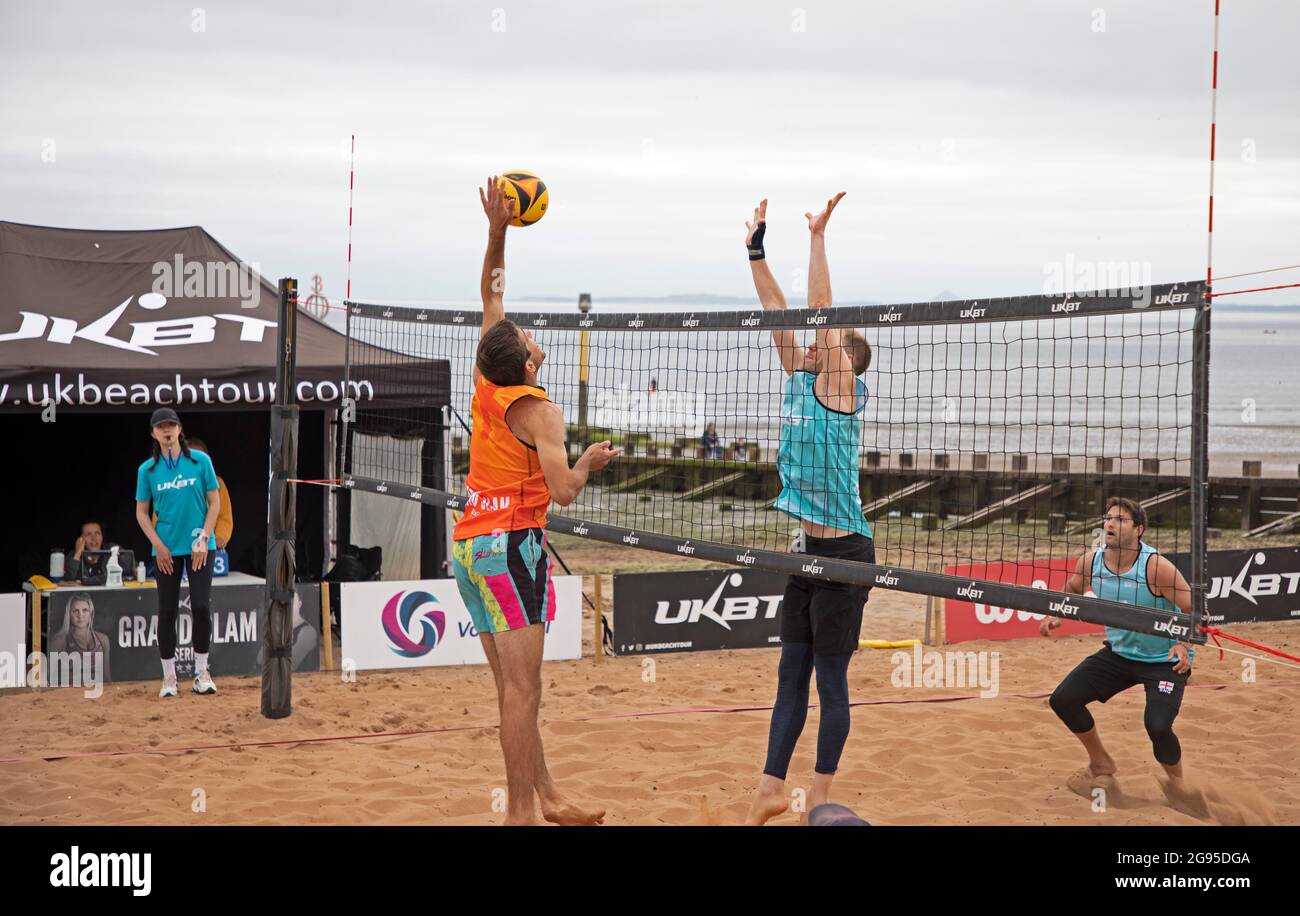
column 518, row 463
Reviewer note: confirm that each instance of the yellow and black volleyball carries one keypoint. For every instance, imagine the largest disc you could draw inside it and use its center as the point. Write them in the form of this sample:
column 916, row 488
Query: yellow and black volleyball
column 529, row 194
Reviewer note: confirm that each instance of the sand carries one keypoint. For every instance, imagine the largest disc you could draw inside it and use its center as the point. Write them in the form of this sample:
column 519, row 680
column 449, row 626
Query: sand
column 999, row 760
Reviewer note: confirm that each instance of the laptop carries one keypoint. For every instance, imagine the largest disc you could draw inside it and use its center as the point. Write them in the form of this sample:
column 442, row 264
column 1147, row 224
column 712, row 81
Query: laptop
column 94, row 565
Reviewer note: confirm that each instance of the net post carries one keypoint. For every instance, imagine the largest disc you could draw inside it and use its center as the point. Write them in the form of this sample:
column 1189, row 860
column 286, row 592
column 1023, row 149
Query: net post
column 599, row 630
column 343, row 450
column 1201, row 373
column 281, row 518
column 1200, row 482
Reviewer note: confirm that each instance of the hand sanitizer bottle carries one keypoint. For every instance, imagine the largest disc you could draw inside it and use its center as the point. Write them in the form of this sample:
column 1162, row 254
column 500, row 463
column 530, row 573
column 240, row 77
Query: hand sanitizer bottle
column 114, row 570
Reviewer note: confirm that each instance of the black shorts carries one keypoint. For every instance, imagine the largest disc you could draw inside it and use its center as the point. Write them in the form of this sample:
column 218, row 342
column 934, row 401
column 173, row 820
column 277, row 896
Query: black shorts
column 827, row 614
column 1105, row 673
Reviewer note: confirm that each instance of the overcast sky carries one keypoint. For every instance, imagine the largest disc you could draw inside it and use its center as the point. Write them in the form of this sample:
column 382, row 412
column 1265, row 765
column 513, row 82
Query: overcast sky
column 980, row 143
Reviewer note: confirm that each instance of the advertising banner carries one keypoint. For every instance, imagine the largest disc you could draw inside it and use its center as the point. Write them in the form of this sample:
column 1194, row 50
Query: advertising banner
column 424, row 623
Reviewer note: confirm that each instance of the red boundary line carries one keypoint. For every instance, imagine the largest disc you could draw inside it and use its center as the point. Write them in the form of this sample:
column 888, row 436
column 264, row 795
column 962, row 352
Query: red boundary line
column 649, row 713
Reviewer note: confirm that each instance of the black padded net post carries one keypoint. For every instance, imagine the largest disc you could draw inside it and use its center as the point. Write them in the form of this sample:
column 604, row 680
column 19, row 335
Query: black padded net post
column 993, row 432
column 281, row 562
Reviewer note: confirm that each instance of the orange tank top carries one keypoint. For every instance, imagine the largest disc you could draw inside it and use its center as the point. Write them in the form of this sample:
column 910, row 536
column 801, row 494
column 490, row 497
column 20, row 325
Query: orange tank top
column 506, row 488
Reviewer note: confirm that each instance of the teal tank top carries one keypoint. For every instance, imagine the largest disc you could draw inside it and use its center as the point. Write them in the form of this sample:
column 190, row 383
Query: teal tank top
column 817, row 457
column 1131, row 587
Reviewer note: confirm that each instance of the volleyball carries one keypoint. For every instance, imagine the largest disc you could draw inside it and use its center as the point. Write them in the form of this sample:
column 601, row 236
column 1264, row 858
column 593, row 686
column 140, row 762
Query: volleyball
column 529, row 194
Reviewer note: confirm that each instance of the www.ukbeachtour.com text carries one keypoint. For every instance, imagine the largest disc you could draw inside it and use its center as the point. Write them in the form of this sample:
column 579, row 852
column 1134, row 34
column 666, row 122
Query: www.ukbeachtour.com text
column 177, row 391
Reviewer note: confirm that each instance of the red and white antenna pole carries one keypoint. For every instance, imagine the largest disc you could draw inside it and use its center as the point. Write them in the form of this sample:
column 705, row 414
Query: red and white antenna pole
column 1214, row 96
column 352, row 183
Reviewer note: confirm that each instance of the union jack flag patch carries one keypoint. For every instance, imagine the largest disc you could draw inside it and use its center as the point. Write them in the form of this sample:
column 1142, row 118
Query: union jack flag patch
column 1166, row 686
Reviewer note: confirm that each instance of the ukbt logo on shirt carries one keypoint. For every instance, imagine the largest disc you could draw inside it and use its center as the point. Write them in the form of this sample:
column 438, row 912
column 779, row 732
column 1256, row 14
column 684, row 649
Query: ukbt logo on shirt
column 177, row 483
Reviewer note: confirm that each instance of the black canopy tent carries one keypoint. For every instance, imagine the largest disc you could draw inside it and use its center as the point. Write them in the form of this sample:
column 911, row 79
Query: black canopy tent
column 99, row 328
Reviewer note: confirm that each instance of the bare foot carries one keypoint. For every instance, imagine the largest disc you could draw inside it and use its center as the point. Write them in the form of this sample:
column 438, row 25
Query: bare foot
column 566, row 815
column 1184, row 797
column 765, row 807
column 522, row 821
column 1103, row 765
column 1085, row 782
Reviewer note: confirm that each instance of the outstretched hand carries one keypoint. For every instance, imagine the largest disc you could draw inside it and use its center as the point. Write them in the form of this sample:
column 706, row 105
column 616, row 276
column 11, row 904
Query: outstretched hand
column 817, row 222
column 758, row 224
column 599, row 454
column 500, row 209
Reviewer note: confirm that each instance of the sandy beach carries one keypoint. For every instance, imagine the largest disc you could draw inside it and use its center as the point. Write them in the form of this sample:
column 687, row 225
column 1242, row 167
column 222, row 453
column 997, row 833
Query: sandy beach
column 629, row 735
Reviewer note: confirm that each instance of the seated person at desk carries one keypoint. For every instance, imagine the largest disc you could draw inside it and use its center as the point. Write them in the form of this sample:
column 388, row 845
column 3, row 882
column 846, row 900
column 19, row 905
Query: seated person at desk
column 91, row 538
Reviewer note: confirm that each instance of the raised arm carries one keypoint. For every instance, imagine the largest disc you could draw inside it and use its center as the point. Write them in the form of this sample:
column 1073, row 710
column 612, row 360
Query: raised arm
column 769, row 291
column 837, row 381
column 492, row 284
column 541, row 423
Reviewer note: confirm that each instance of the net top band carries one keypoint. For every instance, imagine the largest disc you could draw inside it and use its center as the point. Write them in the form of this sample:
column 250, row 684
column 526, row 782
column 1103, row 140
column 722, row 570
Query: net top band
column 1163, row 297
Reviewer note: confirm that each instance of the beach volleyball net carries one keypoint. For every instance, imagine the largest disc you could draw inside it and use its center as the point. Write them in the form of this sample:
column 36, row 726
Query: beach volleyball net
column 992, row 434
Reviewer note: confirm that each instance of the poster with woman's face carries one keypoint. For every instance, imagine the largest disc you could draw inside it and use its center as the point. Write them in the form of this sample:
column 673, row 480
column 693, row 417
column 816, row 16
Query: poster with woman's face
column 115, row 631
column 77, row 645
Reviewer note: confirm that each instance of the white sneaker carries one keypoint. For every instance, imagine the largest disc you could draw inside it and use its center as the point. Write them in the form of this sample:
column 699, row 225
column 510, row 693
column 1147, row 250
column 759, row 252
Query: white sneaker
column 168, row 688
column 203, row 682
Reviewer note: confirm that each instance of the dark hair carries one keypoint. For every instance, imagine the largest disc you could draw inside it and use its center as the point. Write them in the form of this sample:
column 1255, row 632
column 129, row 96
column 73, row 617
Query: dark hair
column 502, row 354
column 859, row 351
column 94, row 521
column 199, row 444
column 1136, row 512
column 157, row 452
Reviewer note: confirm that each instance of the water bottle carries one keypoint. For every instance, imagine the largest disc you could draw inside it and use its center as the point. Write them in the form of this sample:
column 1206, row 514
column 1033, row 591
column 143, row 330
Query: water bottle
column 139, row 571
column 56, row 564
column 114, row 569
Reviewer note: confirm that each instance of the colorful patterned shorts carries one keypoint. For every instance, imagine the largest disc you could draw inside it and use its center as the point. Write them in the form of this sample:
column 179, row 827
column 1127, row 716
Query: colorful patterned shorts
column 505, row 579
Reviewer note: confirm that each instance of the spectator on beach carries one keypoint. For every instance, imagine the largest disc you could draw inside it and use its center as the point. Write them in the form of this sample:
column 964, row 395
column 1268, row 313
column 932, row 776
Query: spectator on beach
column 654, row 386
column 225, row 516
column 709, row 441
